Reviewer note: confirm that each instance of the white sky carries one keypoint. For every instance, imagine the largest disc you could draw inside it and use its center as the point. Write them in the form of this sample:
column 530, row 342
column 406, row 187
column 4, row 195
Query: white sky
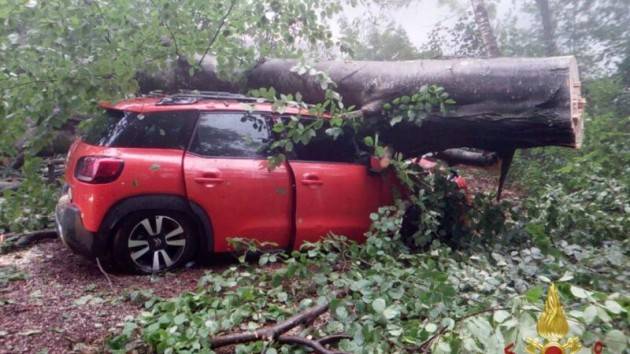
column 419, row 18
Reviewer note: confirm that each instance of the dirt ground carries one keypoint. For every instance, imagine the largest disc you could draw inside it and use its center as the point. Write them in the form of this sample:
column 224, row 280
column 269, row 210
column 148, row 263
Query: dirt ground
column 65, row 304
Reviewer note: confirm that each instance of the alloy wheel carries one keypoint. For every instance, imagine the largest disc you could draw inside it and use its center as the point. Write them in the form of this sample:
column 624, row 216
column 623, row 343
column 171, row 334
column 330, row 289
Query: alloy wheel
column 156, row 243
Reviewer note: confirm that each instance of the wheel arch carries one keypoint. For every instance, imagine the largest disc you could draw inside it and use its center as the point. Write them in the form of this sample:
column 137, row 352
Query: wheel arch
column 177, row 203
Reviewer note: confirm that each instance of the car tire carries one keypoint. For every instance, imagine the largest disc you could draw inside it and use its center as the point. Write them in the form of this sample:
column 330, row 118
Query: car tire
column 154, row 241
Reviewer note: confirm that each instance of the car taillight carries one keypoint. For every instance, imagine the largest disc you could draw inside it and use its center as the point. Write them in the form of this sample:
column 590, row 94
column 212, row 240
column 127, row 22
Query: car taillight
column 98, row 169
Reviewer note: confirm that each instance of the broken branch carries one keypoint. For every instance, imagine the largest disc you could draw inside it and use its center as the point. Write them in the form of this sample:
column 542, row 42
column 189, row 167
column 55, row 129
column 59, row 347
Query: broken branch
column 277, row 332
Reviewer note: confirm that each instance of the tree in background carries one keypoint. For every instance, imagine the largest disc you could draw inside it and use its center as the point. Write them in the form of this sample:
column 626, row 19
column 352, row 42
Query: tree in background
column 485, row 29
column 376, row 39
column 548, row 27
column 60, row 57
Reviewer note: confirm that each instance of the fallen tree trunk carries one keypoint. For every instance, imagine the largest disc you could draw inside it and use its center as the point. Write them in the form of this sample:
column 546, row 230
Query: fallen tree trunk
column 501, row 104
column 471, row 158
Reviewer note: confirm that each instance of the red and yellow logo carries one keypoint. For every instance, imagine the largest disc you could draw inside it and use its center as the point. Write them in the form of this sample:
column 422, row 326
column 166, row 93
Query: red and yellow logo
column 553, row 327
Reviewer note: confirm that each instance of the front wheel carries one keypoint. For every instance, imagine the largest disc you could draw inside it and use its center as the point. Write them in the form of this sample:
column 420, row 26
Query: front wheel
column 155, row 241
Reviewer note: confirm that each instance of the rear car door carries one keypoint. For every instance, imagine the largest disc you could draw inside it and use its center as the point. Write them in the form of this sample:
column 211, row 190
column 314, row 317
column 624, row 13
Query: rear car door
column 334, row 191
column 227, row 175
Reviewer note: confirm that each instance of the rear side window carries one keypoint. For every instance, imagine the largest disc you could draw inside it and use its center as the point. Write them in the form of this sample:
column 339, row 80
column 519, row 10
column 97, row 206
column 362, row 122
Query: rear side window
column 165, row 130
column 231, row 135
column 324, row 148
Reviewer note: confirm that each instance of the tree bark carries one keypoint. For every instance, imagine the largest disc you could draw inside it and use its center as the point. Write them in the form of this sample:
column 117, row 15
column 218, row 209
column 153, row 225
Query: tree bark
column 485, row 29
column 548, row 26
column 523, row 102
column 464, row 157
column 500, row 102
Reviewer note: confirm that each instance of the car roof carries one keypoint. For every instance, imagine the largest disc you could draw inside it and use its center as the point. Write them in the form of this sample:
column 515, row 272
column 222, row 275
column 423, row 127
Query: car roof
column 194, row 100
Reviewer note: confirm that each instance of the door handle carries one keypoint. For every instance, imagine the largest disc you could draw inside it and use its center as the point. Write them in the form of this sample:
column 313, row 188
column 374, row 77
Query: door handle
column 210, row 177
column 310, row 179
column 208, row 180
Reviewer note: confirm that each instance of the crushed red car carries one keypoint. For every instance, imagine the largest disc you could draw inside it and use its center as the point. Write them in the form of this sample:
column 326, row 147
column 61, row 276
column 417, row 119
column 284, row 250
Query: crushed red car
column 160, row 180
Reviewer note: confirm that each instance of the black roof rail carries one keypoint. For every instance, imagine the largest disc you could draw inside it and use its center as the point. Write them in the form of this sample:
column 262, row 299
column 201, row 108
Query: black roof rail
column 194, row 96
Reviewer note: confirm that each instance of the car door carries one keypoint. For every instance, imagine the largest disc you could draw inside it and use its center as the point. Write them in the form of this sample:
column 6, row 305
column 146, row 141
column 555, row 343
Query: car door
column 335, row 192
column 226, row 174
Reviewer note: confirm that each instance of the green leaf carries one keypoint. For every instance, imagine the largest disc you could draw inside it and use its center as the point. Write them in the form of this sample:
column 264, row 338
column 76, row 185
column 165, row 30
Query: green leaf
column 442, row 347
column 500, row 316
column 589, row 314
column 179, row 319
column 613, row 307
column 379, row 305
column 391, row 312
column 341, row 313
column 615, row 341
column 395, row 120
column 480, row 328
column 430, row 327
column 534, row 294
column 579, row 292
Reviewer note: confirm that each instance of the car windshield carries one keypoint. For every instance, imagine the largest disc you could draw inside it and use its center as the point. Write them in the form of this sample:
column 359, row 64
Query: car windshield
column 171, row 130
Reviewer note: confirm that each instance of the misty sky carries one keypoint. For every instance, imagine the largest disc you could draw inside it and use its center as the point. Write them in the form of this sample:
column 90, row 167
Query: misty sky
column 419, row 18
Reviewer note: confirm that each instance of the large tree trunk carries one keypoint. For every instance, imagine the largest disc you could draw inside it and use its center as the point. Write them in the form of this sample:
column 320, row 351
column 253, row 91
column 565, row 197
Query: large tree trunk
column 501, row 103
column 548, row 27
column 485, row 29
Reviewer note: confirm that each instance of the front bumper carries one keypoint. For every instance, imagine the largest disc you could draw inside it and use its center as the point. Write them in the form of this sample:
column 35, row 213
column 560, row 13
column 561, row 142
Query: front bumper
column 73, row 233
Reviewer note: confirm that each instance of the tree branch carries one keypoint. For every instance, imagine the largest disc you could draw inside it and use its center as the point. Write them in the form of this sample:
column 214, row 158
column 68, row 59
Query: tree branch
column 316, row 345
column 216, row 33
column 170, row 33
column 277, row 332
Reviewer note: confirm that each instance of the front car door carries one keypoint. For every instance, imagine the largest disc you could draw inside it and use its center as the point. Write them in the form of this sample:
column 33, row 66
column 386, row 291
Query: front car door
column 335, row 192
column 227, row 175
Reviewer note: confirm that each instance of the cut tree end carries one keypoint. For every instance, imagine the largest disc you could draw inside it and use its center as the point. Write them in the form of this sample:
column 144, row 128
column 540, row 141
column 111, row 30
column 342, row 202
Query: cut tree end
column 577, row 104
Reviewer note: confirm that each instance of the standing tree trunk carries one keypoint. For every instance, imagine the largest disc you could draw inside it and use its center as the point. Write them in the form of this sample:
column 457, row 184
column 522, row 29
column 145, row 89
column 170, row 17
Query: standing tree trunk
column 485, row 29
column 548, row 27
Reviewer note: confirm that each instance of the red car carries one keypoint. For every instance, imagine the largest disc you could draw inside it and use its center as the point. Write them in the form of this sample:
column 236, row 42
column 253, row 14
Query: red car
column 160, row 180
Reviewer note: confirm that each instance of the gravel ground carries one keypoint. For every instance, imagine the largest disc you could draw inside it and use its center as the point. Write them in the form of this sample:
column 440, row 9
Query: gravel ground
column 65, row 304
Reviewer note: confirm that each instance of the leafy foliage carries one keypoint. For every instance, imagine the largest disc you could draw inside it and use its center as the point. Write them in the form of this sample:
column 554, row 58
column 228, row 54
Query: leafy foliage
column 374, row 39
column 59, row 57
column 397, row 300
column 8, row 274
column 583, row 197
column 415, row 108
column 30, row 206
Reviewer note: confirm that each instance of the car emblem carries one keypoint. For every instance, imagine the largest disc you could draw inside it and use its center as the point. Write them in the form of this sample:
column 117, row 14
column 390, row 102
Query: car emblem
column 157, row 243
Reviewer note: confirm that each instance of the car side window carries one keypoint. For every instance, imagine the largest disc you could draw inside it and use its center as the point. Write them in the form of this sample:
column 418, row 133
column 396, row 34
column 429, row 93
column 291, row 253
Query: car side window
column 230, row 134
column 324, row 148
column 163, row 130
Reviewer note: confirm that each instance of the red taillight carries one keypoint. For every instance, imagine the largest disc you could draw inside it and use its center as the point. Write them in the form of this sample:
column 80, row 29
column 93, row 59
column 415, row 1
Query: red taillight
column 98, row 169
